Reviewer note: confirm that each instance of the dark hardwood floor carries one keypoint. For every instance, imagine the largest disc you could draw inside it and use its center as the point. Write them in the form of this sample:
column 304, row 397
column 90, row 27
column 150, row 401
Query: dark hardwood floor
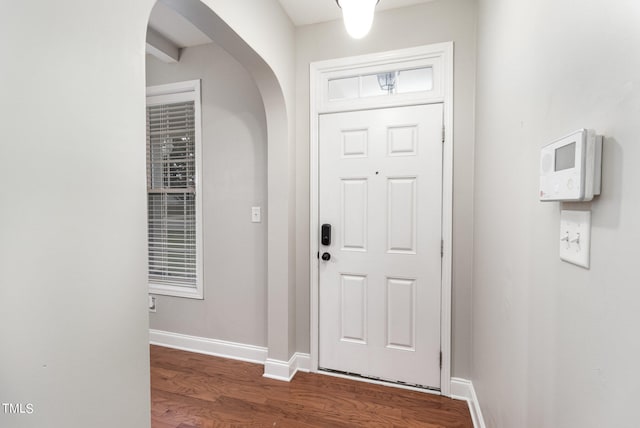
column 192, row 390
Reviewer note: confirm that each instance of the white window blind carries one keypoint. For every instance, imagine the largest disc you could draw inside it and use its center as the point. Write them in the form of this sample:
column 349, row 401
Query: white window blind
column 172, row 194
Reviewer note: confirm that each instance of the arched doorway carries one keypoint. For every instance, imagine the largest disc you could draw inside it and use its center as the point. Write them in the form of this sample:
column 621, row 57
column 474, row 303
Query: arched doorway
column 275, row 85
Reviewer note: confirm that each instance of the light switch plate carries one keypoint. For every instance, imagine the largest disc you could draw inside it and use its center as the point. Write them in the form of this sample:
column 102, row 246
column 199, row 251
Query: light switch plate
column 575, row 237
column 256, row 215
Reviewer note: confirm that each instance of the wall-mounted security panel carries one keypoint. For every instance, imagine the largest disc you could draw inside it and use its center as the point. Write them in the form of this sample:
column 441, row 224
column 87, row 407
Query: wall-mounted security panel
column 570, row 168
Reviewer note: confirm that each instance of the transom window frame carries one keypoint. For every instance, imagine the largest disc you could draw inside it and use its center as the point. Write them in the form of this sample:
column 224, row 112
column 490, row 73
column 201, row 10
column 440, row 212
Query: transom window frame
column 181, row 92
column 363, row 65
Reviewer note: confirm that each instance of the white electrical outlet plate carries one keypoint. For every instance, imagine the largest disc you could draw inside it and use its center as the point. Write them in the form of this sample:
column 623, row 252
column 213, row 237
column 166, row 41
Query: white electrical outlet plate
column 575, row 237
column 152, row 303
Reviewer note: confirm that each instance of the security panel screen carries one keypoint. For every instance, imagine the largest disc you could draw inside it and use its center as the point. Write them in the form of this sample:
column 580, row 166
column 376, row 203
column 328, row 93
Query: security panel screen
column 565, row 157
column 570, row 167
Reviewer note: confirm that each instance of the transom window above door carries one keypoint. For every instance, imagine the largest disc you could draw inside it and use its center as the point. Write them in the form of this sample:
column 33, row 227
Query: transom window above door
column 381, row 84
column 417, row 79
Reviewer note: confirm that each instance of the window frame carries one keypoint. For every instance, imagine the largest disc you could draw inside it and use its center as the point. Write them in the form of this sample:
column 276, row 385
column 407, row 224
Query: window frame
column 175, row 93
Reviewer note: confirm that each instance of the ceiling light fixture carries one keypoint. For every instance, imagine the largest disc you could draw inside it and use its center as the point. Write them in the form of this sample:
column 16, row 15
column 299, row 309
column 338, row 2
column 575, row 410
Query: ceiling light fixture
column 358, row 16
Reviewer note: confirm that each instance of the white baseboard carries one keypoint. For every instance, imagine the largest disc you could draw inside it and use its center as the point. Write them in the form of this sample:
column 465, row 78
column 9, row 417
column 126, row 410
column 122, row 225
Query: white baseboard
column 274, row 369
column 303, row 362
column 286, row 370
column 462, row 389
column 203, row 345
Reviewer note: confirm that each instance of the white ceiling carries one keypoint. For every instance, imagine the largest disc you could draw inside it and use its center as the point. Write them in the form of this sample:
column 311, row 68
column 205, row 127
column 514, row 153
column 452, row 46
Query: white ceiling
column 304, row 12
column 183, row 33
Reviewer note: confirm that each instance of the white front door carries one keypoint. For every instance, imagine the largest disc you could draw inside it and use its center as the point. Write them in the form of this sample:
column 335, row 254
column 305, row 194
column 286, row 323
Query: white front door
column 381, row 192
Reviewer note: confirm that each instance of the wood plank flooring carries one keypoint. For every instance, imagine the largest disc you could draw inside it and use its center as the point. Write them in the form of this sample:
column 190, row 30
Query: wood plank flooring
column 192, row 390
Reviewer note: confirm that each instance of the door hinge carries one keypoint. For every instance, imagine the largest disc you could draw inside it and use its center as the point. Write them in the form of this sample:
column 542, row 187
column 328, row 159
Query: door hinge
column 442, row 248
column 440, row 360
column 442, row 134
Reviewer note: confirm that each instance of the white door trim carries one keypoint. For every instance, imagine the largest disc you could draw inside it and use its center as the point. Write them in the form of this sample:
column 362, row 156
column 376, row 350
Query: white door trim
column 442, row 55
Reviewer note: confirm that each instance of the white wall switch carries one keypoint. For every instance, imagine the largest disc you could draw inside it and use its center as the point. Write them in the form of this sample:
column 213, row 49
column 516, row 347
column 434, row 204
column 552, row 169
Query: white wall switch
column 152, row 303
column 256, row 215
column 575, row 237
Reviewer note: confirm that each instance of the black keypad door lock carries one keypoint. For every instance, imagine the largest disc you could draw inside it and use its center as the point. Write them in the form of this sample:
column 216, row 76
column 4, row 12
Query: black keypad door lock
column 325, row 234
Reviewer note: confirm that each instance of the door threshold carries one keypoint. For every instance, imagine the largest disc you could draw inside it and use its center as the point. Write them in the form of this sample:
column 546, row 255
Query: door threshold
column 378, row 381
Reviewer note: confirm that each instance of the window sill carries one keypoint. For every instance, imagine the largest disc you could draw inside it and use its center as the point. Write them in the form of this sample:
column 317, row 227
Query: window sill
column 175, row 291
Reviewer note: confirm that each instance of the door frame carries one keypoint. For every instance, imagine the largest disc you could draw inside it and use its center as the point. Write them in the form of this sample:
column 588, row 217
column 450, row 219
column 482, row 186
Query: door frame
column 440, row 57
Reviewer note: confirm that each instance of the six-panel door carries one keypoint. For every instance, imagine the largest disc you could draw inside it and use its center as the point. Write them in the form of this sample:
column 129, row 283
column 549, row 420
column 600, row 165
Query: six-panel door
column 381, row 190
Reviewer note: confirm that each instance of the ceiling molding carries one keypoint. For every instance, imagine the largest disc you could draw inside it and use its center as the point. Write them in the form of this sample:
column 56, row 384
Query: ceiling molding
column 161, row 47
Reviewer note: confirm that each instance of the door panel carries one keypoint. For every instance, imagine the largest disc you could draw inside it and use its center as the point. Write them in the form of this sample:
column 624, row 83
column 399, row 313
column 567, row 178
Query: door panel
column 354, row 214
column 381, row 190
column 401, row 220
column 354, row 308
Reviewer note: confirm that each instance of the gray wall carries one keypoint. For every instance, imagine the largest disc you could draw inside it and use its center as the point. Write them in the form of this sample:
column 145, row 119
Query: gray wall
column 555, row 345
column 73, row 319
column 234, row 180
column 73, row 295
column 435, row 22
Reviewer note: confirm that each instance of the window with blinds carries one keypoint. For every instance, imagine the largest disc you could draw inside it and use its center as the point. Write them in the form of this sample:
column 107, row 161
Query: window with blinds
column 173, row 152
